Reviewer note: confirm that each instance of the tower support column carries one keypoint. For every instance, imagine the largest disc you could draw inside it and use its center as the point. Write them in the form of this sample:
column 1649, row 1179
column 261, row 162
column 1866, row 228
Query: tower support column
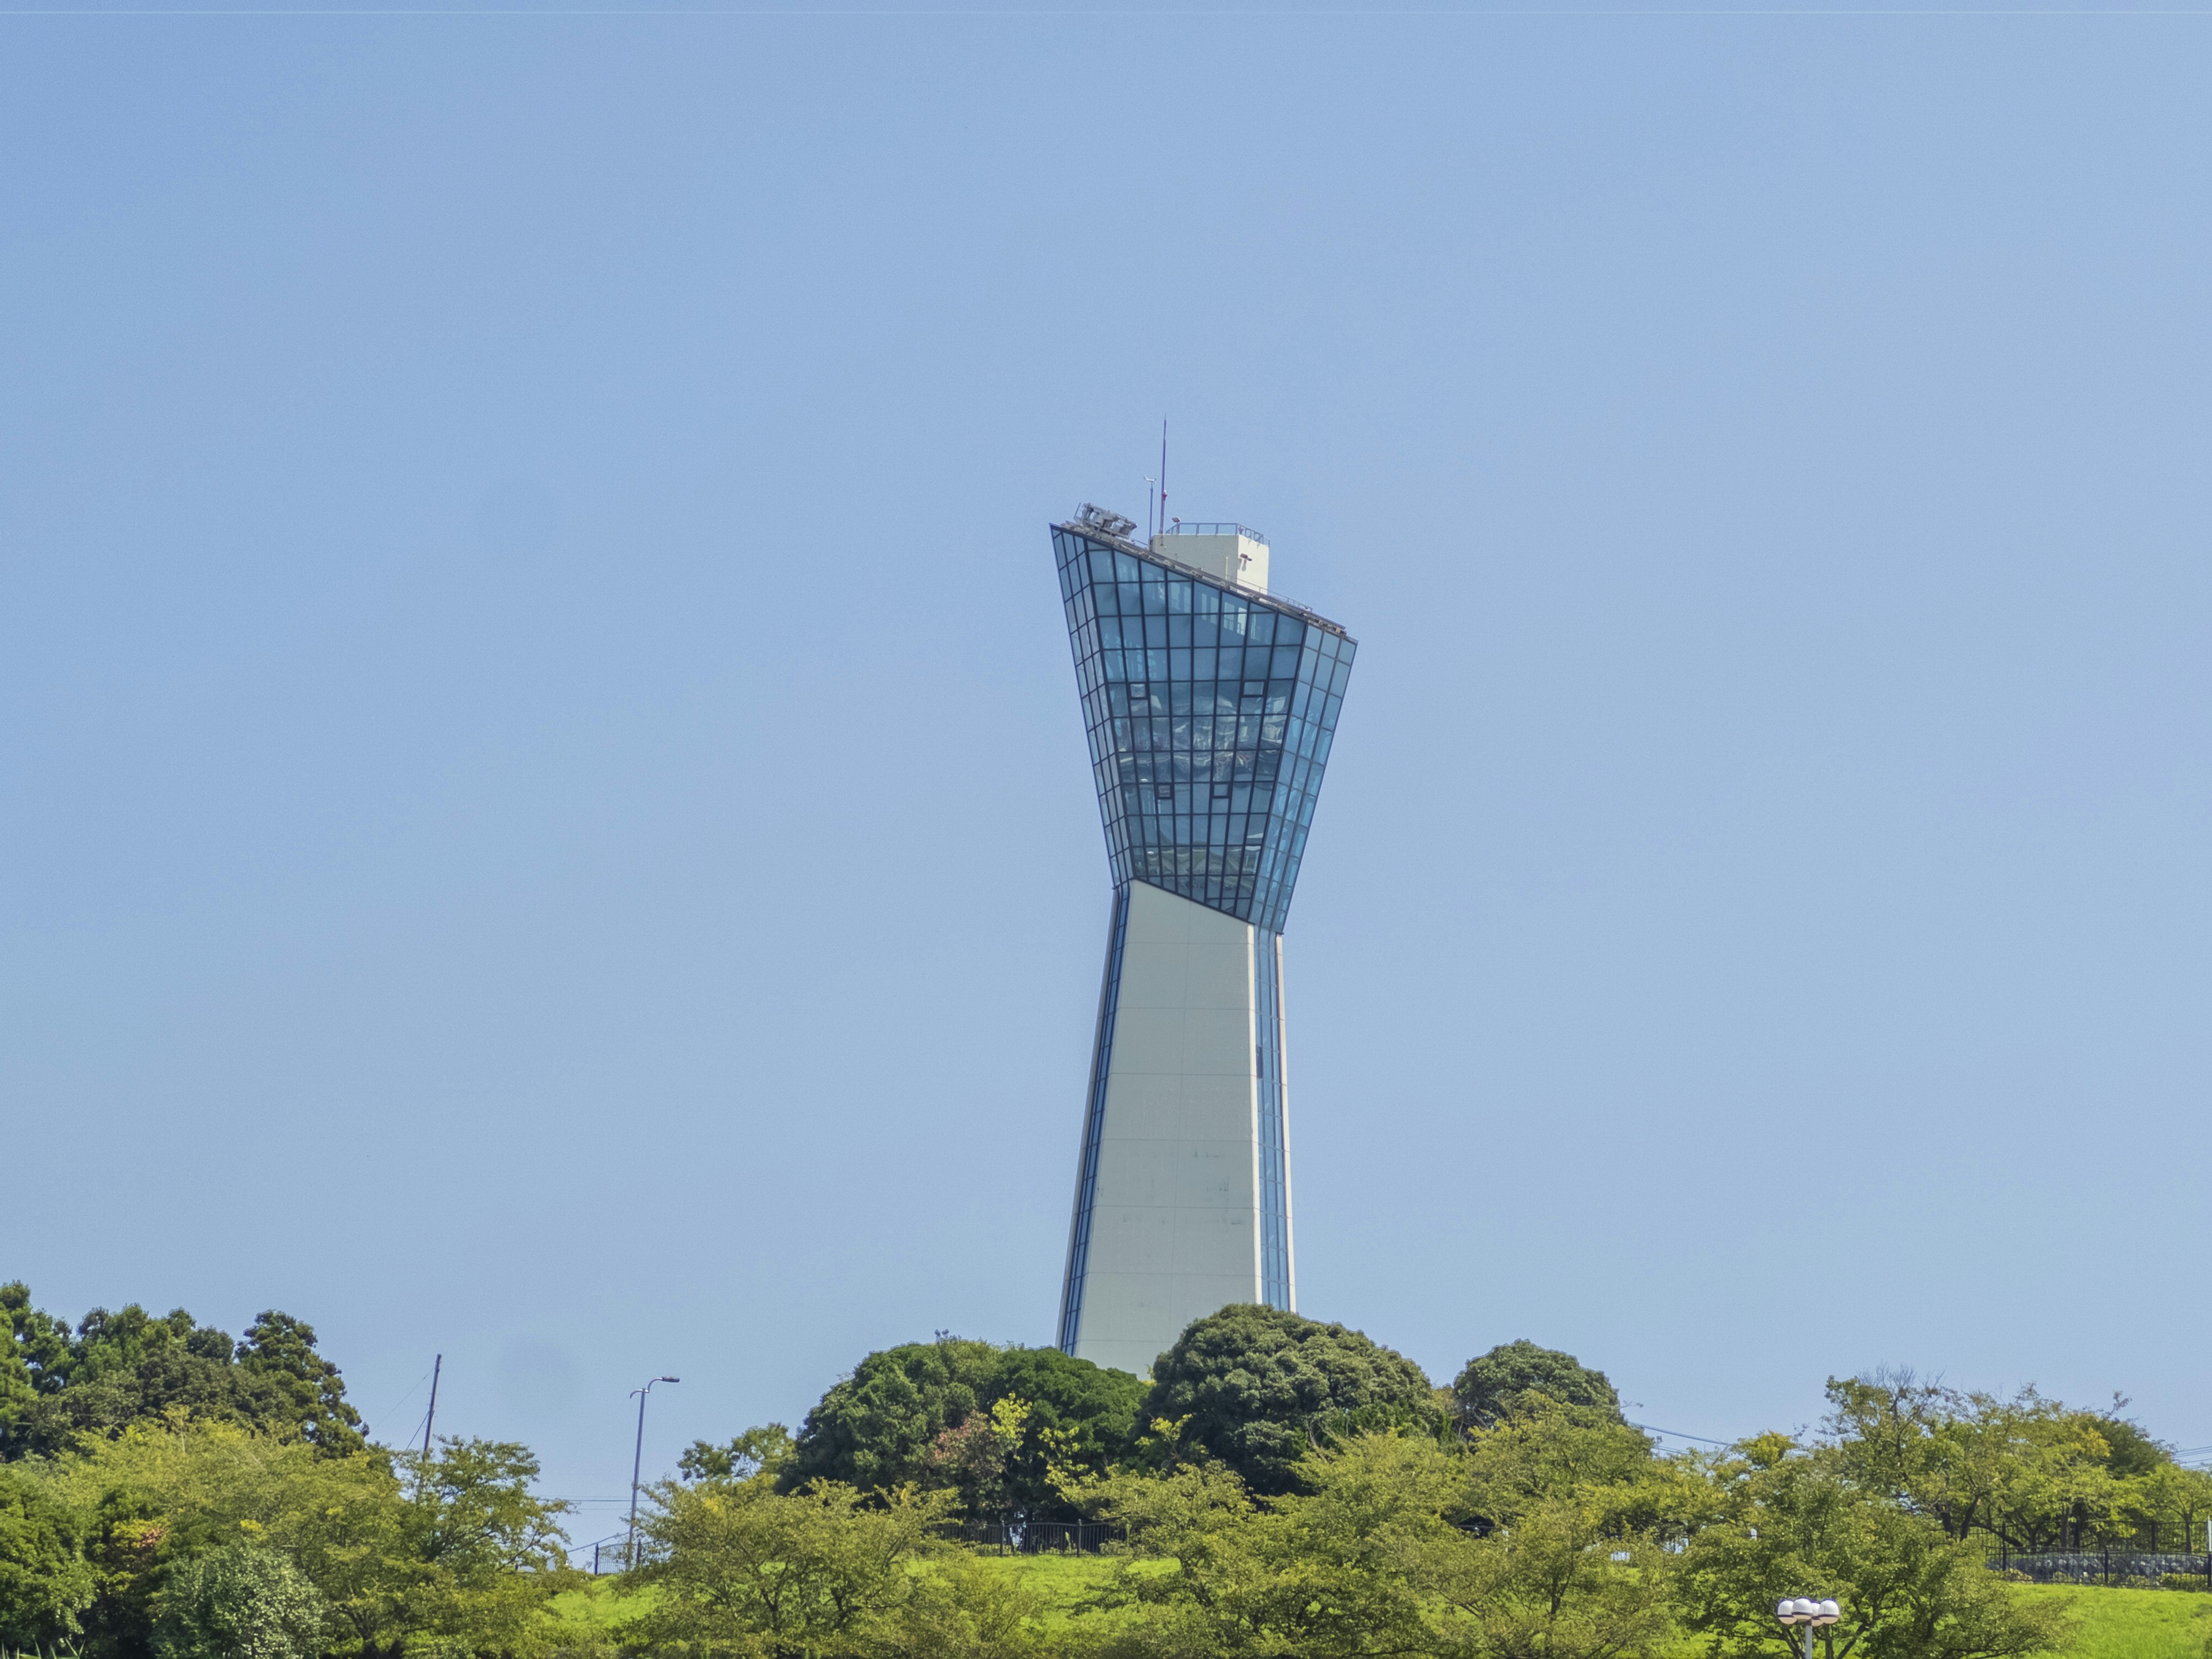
column 1183, row 1201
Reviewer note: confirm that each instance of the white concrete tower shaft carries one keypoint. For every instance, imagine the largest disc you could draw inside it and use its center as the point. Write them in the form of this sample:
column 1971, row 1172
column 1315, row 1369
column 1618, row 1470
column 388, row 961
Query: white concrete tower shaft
column 1189, row 1182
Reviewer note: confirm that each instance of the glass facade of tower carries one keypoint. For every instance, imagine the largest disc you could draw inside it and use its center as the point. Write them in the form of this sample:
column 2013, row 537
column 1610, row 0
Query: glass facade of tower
column 1210, row 709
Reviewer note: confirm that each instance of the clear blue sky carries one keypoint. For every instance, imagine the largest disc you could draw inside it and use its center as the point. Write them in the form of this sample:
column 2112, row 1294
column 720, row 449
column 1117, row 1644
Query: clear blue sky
column 543, row 806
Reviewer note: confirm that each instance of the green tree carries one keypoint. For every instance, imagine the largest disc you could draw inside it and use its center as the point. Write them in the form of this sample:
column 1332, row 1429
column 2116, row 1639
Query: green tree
column 242, row 1601
column 1797, row 1520
column 1561, row 1582
column 1081, row 1418
column 964, row 1610
column 762, row 1450
column 482, row 1553
column 46, row 1583
column 59, row 1388
column 738, row 1569
column 921, row 1413
column 2169, row 1504
column 1495, row 1384
column 458, row 1557
column 2129, row 1451
column 1566, row 1512
column 1259, row 1388
column 1373, row 1556
column 124, row 1367
column 34, row 1364
column 873, row 1429
column 971, row 1461
column 287, row 1386
column 2023, row 1467
column 1317, row 1576
column 159, row 1494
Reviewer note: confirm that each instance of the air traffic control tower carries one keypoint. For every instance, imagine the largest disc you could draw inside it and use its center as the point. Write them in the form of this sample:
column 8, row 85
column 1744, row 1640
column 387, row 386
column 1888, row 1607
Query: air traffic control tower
column 1210, row 705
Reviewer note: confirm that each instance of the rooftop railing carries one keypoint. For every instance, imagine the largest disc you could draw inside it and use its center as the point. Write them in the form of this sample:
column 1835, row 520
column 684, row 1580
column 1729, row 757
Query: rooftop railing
column 1177, row 527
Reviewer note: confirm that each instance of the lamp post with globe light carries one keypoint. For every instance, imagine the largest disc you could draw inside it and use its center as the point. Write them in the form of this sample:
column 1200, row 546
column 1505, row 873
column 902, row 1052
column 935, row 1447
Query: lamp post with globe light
column 1813, row 1615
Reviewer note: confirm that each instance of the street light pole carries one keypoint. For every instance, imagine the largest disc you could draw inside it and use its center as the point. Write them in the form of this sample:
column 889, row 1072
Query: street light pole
column 1813, row 1615
column 636, row 1463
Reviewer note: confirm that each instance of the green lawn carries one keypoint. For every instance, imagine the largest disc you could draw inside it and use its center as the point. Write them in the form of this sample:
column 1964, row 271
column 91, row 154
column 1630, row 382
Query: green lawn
column 2114, row 1624
column 1066, row 1581
column 1063, row 1578
column 2133, row 1624
column 594, row 1610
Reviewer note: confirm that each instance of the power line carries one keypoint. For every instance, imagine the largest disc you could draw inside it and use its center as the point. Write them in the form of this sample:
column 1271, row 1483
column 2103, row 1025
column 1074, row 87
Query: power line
column 1670, row 1434
column 402, row 1400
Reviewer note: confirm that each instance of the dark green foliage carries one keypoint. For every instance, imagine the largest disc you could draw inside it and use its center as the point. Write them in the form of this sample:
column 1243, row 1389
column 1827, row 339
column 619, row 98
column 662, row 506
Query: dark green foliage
column 1082, row 1415
column 2132, row 1451
column 1494, row 1385
column 34, row 1360
column 58, row 1387
column 283, row 1381
column 1261, row 1386
column 897, row 1420
column 242, row 1601
column 872, row 1430
column 46, row 1583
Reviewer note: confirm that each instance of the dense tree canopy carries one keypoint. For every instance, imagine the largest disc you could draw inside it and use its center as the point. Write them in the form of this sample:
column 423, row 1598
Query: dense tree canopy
column 993, row 1423
column 457, row 1553
column 1257, row 1388
column 2029, row 1470
column 59, row 1386
column 1282, row 1487
column 1081, row 1418
column 1791, row 1515
column 45, row 1582
column 1375, row 1553
column 872, row 1429
column 1496, row 1384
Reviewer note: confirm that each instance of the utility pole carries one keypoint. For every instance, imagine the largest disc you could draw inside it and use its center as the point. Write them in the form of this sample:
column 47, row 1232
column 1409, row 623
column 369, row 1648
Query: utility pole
column 423, row 1475
column 636, row 1463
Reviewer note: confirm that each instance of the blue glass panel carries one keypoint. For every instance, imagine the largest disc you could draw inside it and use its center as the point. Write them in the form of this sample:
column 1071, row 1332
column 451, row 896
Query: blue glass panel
column 1254, row 718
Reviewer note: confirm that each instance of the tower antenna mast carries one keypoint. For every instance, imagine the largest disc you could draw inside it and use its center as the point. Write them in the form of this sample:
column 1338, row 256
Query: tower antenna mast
column 1163, row 476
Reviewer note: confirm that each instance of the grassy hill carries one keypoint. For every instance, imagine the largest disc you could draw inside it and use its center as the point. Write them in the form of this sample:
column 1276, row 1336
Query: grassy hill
column 2131, row 1624
column 2114, row 1624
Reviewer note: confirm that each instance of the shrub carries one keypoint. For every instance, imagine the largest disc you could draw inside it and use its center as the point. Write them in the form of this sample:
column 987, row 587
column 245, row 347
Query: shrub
column 242, row 1601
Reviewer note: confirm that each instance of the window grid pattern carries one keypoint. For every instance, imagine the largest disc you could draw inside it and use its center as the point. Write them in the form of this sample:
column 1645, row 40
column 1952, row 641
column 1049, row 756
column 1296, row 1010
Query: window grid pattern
column 1210, row 712
column 1094, row 1126
column 1274, row 1136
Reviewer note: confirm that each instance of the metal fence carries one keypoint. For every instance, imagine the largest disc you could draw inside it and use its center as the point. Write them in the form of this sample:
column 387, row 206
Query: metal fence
column 2153, row 1555
column 1043, row 1537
